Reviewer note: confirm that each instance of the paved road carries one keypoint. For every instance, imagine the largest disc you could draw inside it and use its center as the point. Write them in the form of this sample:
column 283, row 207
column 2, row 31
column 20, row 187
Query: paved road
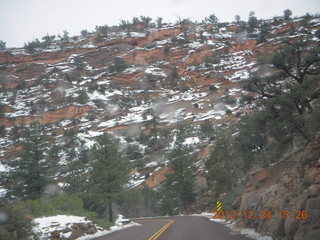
column 182, row 228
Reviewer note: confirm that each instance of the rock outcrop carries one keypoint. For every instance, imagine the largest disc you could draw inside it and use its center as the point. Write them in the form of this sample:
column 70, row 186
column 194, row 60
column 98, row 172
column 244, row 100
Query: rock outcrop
column 70, row 112
column 290, row 189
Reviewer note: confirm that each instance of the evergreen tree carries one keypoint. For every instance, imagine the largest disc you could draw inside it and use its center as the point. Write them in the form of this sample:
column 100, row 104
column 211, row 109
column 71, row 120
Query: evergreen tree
column 223, row 164
column 48, row 40
column 264, row 32
column 109, row 173
column 252, row 22
column 118, row 65
column 159, row 22
column 288, row 91
column 287, row 14
column 212, row 19
column 15, row 222
column 207, row 129
column 78, row 171
column 179, row 186
column 2, row 45
column 32, row 171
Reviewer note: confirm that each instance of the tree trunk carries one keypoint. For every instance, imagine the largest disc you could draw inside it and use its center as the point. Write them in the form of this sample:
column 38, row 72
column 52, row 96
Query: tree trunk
column 110, row 211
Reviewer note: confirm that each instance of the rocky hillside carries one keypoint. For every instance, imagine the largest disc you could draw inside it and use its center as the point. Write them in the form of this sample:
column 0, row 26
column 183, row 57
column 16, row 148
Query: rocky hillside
column 290, row 189
column 123, row 81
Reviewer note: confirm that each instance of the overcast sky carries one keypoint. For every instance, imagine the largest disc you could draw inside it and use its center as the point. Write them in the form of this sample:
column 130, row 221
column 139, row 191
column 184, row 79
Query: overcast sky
column 23, row 20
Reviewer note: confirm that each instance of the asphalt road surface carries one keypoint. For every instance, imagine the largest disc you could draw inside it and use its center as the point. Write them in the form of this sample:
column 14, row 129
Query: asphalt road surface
column 175, row 228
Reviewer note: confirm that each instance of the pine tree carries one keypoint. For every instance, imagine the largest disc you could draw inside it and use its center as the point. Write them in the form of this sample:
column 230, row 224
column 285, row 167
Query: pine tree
column 109, row 173
column 32, row 171
column 179, row 186
column 15, row 222
column 287, row 92
column 223, row 165
column 287, row 14
column 78, row 171
column 2, row 45
column 252, row 22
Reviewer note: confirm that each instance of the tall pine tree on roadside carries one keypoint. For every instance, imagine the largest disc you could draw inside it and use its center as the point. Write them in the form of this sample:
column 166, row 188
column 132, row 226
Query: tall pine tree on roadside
column 32, row 172
column 110, row 172
column 179, row 186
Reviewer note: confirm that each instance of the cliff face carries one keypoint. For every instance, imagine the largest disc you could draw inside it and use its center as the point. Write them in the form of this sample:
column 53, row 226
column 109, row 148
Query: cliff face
column 183, row 73
column 291, row 185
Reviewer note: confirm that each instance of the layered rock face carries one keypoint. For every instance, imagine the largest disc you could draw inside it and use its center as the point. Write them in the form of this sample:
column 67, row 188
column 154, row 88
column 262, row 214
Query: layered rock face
column 290, row 190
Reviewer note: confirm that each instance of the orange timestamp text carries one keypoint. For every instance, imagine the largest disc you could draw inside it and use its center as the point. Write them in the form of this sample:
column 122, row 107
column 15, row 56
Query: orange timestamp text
column 298, row 214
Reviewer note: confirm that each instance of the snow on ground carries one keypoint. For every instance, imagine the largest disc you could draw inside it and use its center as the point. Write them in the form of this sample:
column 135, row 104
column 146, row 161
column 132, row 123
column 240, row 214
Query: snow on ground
column 3, row 192
column 191, row 141
column 155, row 71
column 119, row 225
column 47, row 225
column 250, row 233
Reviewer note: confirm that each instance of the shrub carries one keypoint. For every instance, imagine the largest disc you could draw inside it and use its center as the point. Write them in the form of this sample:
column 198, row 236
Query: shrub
column 15, row 223
column 84, row 33
column 31, row 46
column 83, row 97
column 118, row 65
column 2, row 45
column 228, row 111
column 212, row 88
column 229, row 100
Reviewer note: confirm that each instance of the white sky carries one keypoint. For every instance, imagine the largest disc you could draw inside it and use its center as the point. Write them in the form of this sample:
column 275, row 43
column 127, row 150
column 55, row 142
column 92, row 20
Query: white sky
column 23, row 20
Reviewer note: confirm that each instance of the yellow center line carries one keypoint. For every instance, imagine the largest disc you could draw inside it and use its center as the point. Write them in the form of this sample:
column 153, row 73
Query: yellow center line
column 161, row 230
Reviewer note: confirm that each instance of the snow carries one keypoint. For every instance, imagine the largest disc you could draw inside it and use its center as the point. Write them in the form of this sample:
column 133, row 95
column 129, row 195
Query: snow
column 119, row 225
column 250, row 233
column 3, row 168
column 46, row 225
column 191, row 140
column 3, row 191
column 155, row 71
column 137, row 34
column 134, row 183
column 151, row 164
column 106, row 96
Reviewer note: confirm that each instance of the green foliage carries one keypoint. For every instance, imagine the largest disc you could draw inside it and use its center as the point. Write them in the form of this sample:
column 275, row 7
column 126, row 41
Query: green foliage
column 84, row 33
column 212, row 19
column 287, row 14
column 140, row 202
column 65, row 37
column 265, row 30
column 2, row 45
column 288, row 89
column 146, row 20
column 33, row 171
column 118, row 65
column 207, row 129
column 78, row 171
column 229, row 100
column 212, row 87
column 108, row 175
column 83, row 97
column 48, row 40
column 15, row 223
column 133, row 152
column 32, row 46
column 317, row 33
column 212, row 59
column 178, row 191
column 159, row 22
column 252, row 22
column 173, row 78
column 224, row 166
column 2, row 131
